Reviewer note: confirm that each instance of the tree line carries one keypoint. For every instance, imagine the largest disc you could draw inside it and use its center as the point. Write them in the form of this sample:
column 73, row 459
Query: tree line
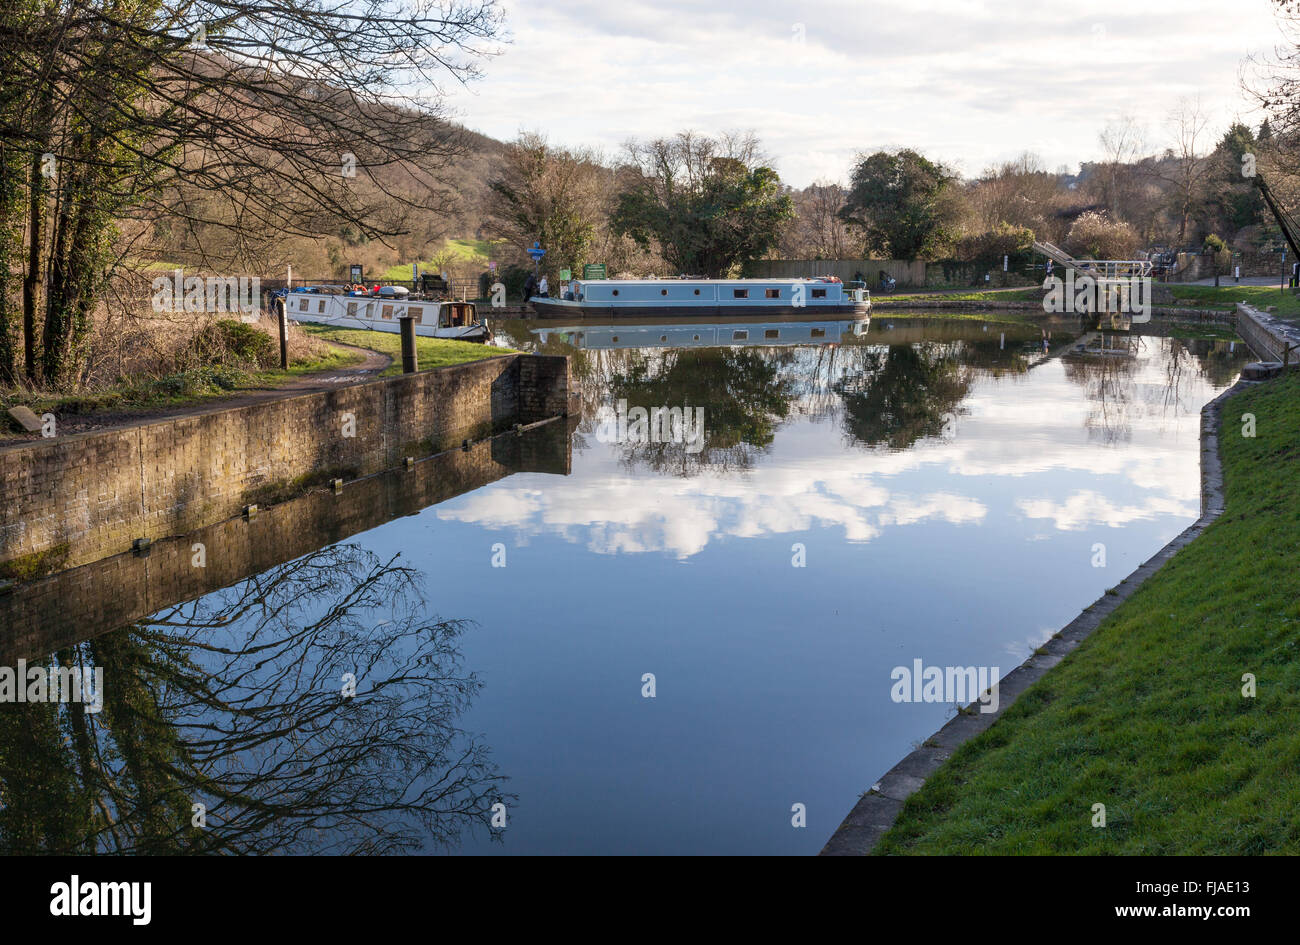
column 710, row 206
column 241, row 135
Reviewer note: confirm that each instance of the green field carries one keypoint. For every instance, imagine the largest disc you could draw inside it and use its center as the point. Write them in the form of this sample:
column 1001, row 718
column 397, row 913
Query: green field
column 476, row 252
column 432, row 352
column 1148, row 716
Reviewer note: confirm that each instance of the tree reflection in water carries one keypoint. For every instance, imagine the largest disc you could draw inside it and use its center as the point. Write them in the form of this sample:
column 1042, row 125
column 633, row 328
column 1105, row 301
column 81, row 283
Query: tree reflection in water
column 742, row 391
column 903, row 393
column 1108, row 388
column 237, row 702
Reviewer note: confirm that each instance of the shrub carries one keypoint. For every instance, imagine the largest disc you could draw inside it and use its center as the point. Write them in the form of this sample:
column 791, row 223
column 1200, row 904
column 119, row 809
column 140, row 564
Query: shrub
column 987, row 249
column 512, row 277
column 227, row 340
column 1093, row 236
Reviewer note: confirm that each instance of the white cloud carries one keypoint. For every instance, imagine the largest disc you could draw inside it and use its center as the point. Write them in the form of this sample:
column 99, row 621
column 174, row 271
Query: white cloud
column 1023, row 448
column 968, row 83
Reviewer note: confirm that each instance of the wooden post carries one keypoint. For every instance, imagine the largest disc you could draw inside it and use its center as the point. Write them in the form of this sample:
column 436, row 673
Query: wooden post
column 410, row 362
column 283, row 318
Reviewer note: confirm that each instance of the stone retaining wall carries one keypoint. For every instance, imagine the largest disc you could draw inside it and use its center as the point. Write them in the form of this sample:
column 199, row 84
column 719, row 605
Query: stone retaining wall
column 75, row 499
column 1268, row 336
column 61, row 609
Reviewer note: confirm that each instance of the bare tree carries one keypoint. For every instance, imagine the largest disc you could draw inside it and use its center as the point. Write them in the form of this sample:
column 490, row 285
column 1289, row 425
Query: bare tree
column 817, row 231
column 1187, row 123
column 556, row 196
column 1122, row 141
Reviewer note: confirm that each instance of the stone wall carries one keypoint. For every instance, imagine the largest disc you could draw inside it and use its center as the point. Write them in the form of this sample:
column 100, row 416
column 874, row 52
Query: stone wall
column 1271, row 338
column 70, row 500
column 58, row 610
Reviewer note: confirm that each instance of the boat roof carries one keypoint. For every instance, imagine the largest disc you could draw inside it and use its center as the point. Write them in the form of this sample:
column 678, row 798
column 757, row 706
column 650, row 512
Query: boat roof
column 701, row 281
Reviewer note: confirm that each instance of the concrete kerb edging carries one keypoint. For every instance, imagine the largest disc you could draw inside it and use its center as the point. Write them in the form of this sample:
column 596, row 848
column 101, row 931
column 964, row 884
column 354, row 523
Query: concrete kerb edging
column 877, row 810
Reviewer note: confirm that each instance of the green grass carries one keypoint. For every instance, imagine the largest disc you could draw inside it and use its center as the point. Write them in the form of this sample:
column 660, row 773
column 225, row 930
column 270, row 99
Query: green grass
column 992, row 316
column 478, row 252
column 1228, row 295
column 1207, row 332
column 141, row 394
column 1030, row 294
column 432, row 352
column 1147, row 717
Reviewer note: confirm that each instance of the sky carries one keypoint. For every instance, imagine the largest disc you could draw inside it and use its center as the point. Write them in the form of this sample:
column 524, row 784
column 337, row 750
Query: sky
column 820, row 81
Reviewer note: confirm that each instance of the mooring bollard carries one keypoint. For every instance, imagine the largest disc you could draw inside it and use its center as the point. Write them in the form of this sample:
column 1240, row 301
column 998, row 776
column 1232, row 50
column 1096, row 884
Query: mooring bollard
column 283, row 318
column 410, row 364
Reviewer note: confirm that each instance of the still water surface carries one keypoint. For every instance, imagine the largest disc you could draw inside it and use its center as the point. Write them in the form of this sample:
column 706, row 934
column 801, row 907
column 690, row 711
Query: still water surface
column 912, row 490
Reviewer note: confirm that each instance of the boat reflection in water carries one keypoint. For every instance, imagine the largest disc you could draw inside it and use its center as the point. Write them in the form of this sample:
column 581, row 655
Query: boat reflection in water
column 709, row 333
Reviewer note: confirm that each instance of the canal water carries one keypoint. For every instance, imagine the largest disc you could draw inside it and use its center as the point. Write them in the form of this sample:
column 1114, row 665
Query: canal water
column 683, row 646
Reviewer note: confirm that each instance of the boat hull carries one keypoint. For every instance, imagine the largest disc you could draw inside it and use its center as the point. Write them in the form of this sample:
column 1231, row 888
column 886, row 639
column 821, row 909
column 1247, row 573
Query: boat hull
column 433, row 319
column 562, row 308
column 477, row 332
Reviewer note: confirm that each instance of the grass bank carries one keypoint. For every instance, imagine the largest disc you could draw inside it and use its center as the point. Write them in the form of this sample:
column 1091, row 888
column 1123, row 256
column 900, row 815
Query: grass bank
column 1030, row 294
column 184, row 388
column 1148, row 716
column 1228, row 295
column 432, row 352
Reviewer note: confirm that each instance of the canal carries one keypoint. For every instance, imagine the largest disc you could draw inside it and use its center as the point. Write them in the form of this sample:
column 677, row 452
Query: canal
column 652, row 647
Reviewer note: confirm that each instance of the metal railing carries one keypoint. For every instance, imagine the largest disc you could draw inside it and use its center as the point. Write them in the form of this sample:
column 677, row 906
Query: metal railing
column 1099, row 268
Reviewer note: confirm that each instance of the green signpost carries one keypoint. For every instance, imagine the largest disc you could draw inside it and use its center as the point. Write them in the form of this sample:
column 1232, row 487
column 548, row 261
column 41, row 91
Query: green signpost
column 593, row 271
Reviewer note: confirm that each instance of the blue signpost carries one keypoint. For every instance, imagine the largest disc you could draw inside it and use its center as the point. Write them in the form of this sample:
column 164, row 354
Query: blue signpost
column 537, row 253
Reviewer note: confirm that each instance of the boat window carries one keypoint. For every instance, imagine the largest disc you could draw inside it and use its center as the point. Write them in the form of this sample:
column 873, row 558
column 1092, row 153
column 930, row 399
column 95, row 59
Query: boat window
column 739, row 335
column 819, row 293
column 697, row 291
column 616, row 291
column 387, row 311
column 352, row 308
column 740, row 293
column 416, row 312
column 663, row 291
column 819, row 332
column 697, row 337
column 773, row 293
column 663, row 337
column 320, row 306
column 302, row 305
column 614, row 339
column 772, row 333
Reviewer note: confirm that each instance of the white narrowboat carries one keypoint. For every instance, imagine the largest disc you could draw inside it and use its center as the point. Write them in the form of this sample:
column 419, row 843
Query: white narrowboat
column 641, row 297
column 348, row 307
